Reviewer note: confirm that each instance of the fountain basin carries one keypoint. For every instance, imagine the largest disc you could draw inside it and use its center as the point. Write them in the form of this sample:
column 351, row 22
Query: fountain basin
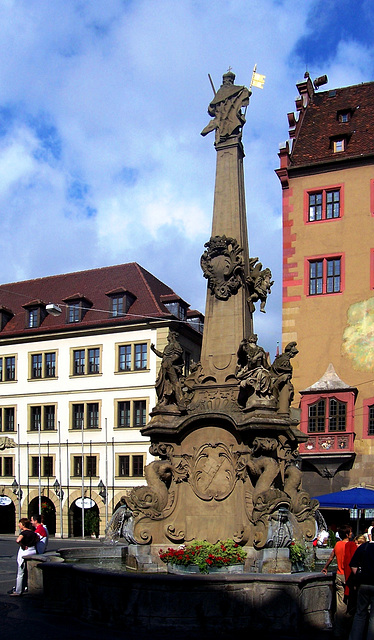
column 291, row 604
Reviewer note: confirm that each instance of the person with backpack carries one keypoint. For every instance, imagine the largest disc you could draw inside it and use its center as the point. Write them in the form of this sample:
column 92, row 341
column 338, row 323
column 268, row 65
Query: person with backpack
column 27, row 541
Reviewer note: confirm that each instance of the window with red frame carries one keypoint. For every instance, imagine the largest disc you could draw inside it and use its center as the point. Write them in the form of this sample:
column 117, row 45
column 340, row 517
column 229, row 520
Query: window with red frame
column 323, row 205
column 327, row 414
column 324, row 276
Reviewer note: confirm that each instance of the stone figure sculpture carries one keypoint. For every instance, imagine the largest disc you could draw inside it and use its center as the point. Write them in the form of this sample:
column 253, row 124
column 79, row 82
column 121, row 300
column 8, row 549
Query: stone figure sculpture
column 253, row 370
column 226, row 109
column 168, row 383
column 259, row 284
column 281, row 372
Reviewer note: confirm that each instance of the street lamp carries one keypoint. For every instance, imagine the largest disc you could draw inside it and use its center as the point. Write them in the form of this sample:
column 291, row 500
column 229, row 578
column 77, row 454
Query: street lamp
column 60, row 494
column 19, row 493
column 58, row 489
column 102, row 491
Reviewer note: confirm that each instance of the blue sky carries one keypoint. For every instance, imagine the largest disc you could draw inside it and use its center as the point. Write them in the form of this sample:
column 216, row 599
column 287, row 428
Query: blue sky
column 101, row 108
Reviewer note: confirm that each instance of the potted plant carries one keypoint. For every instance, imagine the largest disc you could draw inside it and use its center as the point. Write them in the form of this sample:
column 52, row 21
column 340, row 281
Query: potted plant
column 298, row 555
column 205, row 557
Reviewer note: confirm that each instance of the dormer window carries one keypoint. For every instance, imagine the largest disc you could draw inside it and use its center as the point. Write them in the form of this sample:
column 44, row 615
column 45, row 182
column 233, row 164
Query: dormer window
column 175, row 305
column 35, row 313
column 344, row 115
column 120, row 301
column 339, row 145
column 77, row 307
column 5, row 315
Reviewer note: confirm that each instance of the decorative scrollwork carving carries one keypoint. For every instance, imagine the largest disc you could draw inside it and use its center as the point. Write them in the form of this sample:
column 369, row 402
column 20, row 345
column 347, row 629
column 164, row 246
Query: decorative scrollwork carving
column 222, row 265
column 175, row 535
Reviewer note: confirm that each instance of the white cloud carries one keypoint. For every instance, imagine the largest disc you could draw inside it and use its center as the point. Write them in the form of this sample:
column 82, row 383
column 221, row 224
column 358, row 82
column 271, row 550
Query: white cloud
column 102, row 105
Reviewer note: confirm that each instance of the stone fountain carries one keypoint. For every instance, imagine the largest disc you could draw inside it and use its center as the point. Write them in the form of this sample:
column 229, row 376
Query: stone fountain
column 226, row 437
column 225, row 441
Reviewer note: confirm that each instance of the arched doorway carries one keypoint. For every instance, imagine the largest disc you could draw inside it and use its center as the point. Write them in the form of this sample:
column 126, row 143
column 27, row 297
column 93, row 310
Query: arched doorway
column 91, row 519
column 7, row 515
column 48, row 513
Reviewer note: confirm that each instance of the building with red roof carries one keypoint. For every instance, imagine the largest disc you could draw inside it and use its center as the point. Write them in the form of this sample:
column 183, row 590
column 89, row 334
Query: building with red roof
column 77, row 382
column 327, row 177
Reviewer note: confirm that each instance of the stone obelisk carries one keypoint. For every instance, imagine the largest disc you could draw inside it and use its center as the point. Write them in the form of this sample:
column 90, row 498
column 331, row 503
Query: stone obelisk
column 229, row 318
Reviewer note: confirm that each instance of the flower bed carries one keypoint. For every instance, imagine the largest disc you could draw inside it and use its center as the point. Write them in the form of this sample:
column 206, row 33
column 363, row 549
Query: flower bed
column 205, row 555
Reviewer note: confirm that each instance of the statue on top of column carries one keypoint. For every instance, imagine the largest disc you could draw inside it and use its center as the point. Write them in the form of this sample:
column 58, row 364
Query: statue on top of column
column 225, row 109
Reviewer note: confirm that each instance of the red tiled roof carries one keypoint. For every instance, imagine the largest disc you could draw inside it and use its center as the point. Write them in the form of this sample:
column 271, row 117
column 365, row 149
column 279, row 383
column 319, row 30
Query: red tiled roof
column 94, row 285
column 320, row 124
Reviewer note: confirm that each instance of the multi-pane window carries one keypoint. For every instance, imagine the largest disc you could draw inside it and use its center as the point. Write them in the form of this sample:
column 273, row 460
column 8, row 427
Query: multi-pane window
column 86, row 361
column 7, row 419
column 36, row 365
column 316, row 416
column 46, row 466
column 324, row 205
column 117, row 306
column 6, row 466
column 33, row 318
column 93, row 360
column 43, row 365
column 50, row 364
column 79, row 362
column 35, row 418
column 77, row 466
column 49, row 417
column 90, row 466
column 92, row 415
column 327, row 414
column 324, row 276
column 74, row 312
column 78, row 416
column 139, row 413
column 337, row 415
column 371, row 420
column 140, row 356
column 85, row 415
column 7, row 368
column 124, row 357
column 130, row 465
column 124, row 413
column 42, row 417
column 131, row 413
column 133, row 357
column 177, row 309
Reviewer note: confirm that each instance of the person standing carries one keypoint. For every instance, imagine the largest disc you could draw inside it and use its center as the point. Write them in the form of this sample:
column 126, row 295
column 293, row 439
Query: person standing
column 363, row 559
column 41, row 531
column 338, row 552
column 27, row 541
column 371, row 532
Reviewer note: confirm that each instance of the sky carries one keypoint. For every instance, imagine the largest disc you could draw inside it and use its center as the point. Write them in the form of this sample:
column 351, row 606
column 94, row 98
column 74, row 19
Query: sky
column 101, row 108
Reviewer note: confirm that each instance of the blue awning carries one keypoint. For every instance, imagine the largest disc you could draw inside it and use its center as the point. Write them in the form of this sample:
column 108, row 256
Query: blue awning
column 356, row 498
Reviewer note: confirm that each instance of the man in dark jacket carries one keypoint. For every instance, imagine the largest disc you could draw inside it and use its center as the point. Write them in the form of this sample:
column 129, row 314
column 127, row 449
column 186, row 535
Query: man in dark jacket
column 362, row 565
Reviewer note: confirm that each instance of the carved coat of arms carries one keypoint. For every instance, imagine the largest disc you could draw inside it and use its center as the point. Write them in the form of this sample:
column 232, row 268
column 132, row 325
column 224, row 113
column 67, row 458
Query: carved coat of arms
column 222, row 265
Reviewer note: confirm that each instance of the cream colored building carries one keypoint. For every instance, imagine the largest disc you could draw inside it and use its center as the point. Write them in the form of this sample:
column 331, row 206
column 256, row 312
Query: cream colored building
column 79, row 386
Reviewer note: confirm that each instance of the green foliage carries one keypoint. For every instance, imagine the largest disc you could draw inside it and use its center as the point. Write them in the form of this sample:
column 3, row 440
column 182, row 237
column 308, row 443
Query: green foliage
column 331, row 542
column 91, row 523
column 298, row 552
column 205, row 554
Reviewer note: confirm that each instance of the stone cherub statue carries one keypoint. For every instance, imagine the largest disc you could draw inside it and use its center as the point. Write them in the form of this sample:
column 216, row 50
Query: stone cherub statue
column 225, row 109
column 259, row 284
column 168, row 383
